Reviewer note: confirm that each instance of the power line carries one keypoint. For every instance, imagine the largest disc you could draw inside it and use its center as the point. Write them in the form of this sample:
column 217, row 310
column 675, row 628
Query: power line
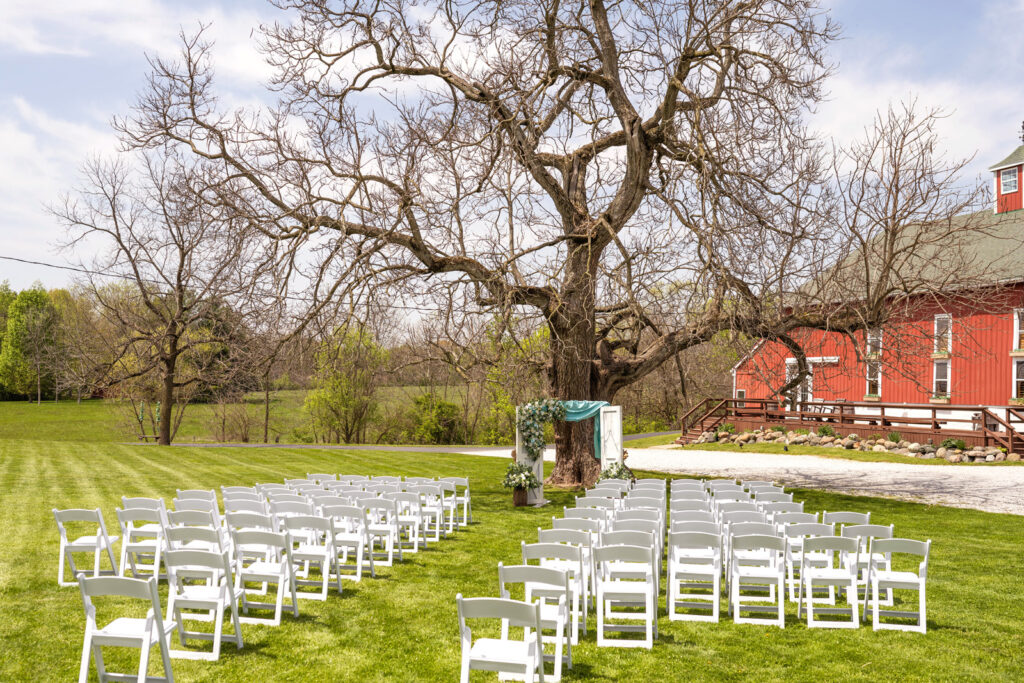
column 86, row 271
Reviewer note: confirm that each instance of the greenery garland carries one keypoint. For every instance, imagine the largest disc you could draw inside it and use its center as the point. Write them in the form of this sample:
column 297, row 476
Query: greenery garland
column 617, row 471
column 532, row 418
column 519, row 476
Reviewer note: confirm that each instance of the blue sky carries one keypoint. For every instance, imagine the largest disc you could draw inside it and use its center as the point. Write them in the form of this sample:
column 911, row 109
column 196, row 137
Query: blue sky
column 67, row 66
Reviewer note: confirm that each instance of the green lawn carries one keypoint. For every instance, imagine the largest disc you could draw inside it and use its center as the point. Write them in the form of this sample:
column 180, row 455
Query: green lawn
column 649, row 441
column 841, row 453
column 403, row 626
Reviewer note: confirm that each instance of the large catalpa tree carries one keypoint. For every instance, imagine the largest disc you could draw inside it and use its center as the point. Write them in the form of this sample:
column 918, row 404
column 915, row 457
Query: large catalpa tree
column 637, row 176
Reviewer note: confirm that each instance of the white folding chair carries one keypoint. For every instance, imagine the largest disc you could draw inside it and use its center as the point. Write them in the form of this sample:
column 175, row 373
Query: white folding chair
column 197, row 494
column 568, row 558
column 449, row 501
column 522, row 658
column 757, row 573
column 772, row 497
column 619, row 568
column 462, row 499
column 599, row 515
column 351, row 534
column 320, row 478
column 383, row 515
column 410, row 520
column 141, row 633
column 274, row 567
column 96, row 543
column 551, row 588
column 312, row 544
column 881, row 578
column 865, row 533
column 200, row 580
column 432, row 509
column 141, row 548
column 694, row 575
column 843, row 519
column 796, row 557
column 838, row 575
column 689, row 506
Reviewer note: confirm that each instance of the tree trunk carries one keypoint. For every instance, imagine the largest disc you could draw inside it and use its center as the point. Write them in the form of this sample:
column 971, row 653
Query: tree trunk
column 39, row 388
column 266, row 407
column 166, row 401
column 572, row 371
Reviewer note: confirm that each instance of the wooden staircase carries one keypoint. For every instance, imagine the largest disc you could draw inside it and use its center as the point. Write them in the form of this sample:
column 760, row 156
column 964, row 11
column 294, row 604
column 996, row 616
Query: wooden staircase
column 703, row 417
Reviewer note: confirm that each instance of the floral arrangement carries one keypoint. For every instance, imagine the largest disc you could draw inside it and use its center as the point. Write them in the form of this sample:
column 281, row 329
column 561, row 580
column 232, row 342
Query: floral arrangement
column 616, row 471
column 519, row 476
column 532, row 418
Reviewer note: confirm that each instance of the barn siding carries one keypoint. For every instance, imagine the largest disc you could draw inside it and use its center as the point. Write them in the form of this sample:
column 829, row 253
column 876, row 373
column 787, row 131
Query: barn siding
column 981, row 366
column 1012, row 201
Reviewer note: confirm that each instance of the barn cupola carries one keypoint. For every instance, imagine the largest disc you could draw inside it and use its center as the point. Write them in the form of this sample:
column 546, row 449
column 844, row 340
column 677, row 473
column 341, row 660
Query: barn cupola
column 1008, row 183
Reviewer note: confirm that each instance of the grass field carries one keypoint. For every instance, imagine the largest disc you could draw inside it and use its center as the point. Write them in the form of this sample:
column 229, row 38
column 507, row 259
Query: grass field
column 403, row 625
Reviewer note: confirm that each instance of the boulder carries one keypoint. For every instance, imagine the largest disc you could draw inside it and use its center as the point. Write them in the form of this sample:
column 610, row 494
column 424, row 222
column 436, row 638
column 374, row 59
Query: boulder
column 826, row 440
column 927, row 456
column 890, row 444
column 942, row 452
column 879, row 448
column 952, row 457
column 1000, row 456
column 799, row 439
column 848, row 443
column 1013, row 457
column 990, row 457
column 915, row 448
column 814, row 440
column 745, row 437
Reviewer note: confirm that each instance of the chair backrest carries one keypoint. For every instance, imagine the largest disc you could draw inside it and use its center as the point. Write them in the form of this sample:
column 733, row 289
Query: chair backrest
column 831, row 544
column 773, row 508
column 648, row 492
column 381, row 508
column 642, row 513
column 383, row 487
column 191, row 518
column 694, row 539
column 776, row 544
column 323, row 525
column 515, row 612
column 346, row 516
column 572, row 536
column 702, row 527
column 595, row 502
column 320, row 478
column 202, row 494
column 687, row 484
column 736, row 506
column 741, row 516
column 715, row 484
column 844, row 518
column 266, row 488
column 131, row 516
column 249, row 520
column 550, row 551
column 531, row 577
column 231, row 505
column 692, row 516
column 650, row 482
column 902, row 546
column 458, row 481
column 808, row 529
column 604, row 492
column 690, row 505
column 751, row 528
column 866, row 532
column 289, row 496
column 280, row 541
column 606, row 554
column 644, row 539
column 188, row 560
column 596, row 514
column 119, row 586
column 688, row 494
column 225, row 490
column 782, row 518
column 773, row 497
column 282, row 508
column 342, row 486
column 620, row 484
column 751, row 483
column 578, row 524
column 179, row 535
column 77, row 515
column 406, row 503
column 144, row 503
column 644, row 503
column 646, row 525
column 290, row 483
column 204, row 504
column 722, row 497
column 242, row 495
column 755, row 489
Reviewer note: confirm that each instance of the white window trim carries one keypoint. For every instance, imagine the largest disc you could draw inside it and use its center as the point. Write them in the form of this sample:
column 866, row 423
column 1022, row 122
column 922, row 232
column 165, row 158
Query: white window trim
column 1016, row 328
column 1013, row 377
column 867, row 378
column 872, row 332
column 949, row 377
column 949, row 334
column 791, row 363
column 740, row 394
column 1002, row 181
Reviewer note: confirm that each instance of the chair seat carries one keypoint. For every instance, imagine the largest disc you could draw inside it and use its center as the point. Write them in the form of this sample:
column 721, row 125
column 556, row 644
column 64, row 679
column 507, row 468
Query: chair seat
column 682, row 554
column 198, row 594
column 693, row 570
column 749, row 572
column 510, row 652
column 627, row 588
column 892, row 579
column 90, row 542
column 130, row 627
column 829, row 574
column 262, row 568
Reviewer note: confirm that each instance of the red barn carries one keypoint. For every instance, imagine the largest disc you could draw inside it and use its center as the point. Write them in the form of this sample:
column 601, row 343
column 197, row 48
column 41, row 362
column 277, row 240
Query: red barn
column 956, row 350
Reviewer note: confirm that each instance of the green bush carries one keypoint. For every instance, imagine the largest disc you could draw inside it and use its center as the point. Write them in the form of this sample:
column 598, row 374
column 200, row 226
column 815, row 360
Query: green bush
column 954, row 443
column 875, row 437
column 631, row 424
column 778, row 428
column 437, row 421
column 727, row 427
column 802, row 430
column 894, row 436
column 826, row 430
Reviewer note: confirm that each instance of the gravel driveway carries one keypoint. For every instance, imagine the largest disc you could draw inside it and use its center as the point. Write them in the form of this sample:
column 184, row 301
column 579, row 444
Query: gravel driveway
column 990, row 488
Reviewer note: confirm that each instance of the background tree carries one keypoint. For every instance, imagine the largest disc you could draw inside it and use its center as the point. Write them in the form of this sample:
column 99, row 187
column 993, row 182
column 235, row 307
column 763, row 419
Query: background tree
column 187, row 276
column 635, row 177
column 31, row 333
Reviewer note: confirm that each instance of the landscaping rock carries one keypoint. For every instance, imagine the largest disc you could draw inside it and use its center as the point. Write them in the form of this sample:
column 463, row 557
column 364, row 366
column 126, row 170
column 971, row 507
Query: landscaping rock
column 879, row 448
column 826, row 440
column 814, row 440
column 990, row 457
column 847, row 443
column 1000, row 456
column 915, row 448
column 941, row 453
column 890, row 444
column 952, row 457
column 799, row 439
column 743, row 438
column 1013, row 457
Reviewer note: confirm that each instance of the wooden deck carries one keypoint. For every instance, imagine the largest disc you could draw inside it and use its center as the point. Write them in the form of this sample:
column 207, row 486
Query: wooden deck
column 975, row 425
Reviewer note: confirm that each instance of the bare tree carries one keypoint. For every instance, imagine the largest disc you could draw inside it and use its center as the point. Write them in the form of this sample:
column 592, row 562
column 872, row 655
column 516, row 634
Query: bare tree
column 186, row 276
column 637, row 177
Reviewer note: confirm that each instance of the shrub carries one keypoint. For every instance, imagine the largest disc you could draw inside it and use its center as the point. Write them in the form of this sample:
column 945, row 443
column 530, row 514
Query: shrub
column 802, row 430
column 875, row 437
column 437, row 421
column 778, row 428
column 519, row 476
column 954, row 443
column 894, row 436
column 826, row 430
column 728, row 427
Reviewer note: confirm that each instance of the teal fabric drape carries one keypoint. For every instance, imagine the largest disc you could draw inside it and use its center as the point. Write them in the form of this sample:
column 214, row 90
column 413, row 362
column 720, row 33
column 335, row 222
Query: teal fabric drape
column 582, row 410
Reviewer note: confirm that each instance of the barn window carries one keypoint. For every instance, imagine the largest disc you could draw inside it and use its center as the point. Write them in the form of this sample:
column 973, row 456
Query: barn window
column 874, row 342
column 943, row 333
column 741, row 393
column 874, row 378
column 1018, row 379
column 940, row 384
column 1018, row 329
column 1008, row 180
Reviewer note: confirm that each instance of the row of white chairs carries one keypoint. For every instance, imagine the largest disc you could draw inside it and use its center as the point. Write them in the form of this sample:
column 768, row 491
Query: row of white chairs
column 220, row 565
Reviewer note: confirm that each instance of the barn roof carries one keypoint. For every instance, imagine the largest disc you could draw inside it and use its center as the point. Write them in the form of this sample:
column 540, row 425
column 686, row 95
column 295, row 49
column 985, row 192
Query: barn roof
column 1016, row 157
